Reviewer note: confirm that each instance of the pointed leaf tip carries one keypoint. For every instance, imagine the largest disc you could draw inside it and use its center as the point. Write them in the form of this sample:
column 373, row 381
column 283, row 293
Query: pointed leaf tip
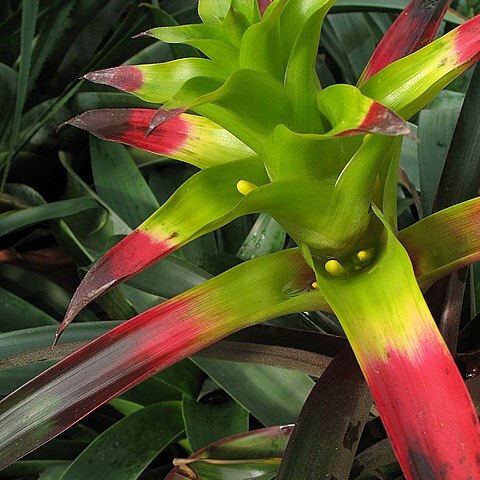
column 134, row 253
column 414, row 28
column 262, row 5
column 129, row 126
column 189, row 138
column 382, row 120
column 146, row 33
column 127, row 78
column 163, row 115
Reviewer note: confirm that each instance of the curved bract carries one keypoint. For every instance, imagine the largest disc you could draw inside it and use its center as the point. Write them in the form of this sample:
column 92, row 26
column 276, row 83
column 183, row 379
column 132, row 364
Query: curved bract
column 324, row 164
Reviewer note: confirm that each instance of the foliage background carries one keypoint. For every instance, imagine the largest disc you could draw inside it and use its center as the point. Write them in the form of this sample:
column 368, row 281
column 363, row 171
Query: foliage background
column 67, row 198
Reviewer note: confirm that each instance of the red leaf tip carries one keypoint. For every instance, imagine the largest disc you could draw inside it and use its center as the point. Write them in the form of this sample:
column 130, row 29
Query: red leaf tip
column 127, row 78
column 262, row 5
column 163, row 115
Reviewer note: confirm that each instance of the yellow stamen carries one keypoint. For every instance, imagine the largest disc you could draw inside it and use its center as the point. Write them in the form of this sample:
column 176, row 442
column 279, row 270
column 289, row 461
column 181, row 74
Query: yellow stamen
column 365, row 255
column 335, row 268
column 314, row 285
column 245, row 187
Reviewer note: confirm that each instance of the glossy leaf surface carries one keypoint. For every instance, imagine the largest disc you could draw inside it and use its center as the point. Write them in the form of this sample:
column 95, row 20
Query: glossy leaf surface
column 176, row 329
column 414, row 28
column 157, row 82
column 407, row 366
column 124, row 450
column 408, row 84
column 190, row 138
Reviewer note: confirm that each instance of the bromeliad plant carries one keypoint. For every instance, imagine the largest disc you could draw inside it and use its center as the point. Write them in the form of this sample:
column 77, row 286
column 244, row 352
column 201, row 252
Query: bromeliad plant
column 324, row 164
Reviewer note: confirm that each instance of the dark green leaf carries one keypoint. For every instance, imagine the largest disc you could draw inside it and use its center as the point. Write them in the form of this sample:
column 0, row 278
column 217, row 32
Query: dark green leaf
column 18, row 313
column 274, row 396
column 124, row 450
column 8, row 80
column 39, row 291
column 266, row 236
column 13, row 221
column 206, row 423
column 119, row 182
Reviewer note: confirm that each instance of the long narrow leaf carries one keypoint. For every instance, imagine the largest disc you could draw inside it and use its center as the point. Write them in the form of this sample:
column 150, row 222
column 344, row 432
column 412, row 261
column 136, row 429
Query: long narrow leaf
column 156, row 82
column 211, row 194
column 17, row 220
column 125, row 449
column 444, row 242
column 190, row 138
column 414, row 28
column 330, row 424
column 148, row 343
column 417, row 388
column 408, row 84
column 29, row 21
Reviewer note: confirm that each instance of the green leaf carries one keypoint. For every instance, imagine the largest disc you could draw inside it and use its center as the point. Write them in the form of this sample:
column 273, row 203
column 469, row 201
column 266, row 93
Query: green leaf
column 266, row 236
column 249, row 104
column 52, row 29
column 29, row 21
column 461, row 176
column 301, row 80
column 264, row 38
column 272, row 395
column 169, row 277
column 158, row 81
column 29, row 468
column 213, row 11
column 358, row 47
column 13, row 221
column 230, row 456
column 125, row 407
column 409, row 157
column 209, row 39
column 54, row 472
column 18, row 313
column 39, row 291
column 124, row 450
column 443, row 242
column 206, row 423
column 235, row 24
column 120, row 183
column 410, row 83
column 14, row 378
column 31, row 339
column 119, row 226
column 8, row 79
